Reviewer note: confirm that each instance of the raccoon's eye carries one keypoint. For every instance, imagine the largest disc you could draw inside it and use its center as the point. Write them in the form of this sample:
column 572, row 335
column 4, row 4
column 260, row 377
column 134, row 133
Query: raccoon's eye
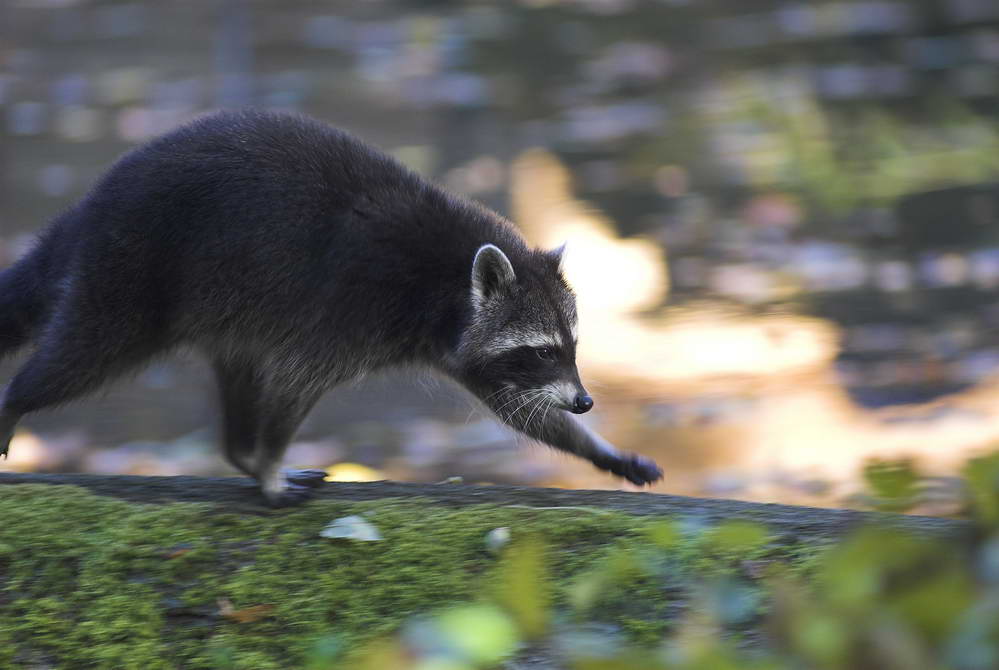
column 545, row 353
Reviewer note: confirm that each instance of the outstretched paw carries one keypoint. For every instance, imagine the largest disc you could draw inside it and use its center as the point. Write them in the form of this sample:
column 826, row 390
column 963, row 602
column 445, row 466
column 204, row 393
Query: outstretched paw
column 309, row 478
column 290, row 496
column 638, row 470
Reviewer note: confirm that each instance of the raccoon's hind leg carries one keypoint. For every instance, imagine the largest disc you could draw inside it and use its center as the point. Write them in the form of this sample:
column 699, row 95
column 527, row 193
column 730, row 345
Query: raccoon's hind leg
column 26, row 290
column 260, row 415
column 21, row 308
column 240, row 398
column 78, row 351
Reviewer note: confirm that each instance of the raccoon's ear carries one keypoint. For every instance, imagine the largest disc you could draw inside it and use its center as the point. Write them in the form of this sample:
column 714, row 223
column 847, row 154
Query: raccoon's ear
column 557, row 254
column 491, row 274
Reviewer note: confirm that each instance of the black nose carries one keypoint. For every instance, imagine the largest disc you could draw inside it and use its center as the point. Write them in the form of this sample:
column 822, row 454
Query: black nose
column 582, row 404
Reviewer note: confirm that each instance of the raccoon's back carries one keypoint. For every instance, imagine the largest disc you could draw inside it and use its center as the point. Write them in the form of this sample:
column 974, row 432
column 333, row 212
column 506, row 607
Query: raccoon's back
column 250, row 177
column 231, row 172
column 240, row 213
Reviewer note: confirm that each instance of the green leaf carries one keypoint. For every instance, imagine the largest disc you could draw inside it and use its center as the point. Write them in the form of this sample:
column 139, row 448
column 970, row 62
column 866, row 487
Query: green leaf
column 481, row 634
column 982, row 475
column 895, row 484
column 524, row 589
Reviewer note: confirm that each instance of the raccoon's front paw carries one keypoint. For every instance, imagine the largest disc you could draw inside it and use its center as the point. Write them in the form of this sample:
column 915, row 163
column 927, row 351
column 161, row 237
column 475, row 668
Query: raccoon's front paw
column 638, row 470
column 310, row 478
column 290, row 496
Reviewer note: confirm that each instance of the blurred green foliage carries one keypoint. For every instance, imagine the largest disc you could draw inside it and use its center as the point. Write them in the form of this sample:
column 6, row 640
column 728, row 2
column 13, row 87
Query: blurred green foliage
column 837, row 161
column 880, row 599
column 982, row 476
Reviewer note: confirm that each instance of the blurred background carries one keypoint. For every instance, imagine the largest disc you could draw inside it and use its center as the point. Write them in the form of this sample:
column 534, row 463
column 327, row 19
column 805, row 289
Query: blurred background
column 782, row 218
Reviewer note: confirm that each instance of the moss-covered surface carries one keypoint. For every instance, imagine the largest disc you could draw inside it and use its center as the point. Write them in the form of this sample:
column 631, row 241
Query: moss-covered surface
column 91, row 581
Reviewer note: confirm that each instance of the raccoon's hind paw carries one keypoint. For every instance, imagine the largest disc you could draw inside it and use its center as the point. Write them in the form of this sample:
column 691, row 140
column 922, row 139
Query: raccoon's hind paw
column 290, row 496
column 309, row 478
column 638, row 470
column 292, row 487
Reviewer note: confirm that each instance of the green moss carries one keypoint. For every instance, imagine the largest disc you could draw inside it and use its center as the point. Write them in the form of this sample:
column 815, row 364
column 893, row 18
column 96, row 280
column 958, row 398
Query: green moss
column 88, row 581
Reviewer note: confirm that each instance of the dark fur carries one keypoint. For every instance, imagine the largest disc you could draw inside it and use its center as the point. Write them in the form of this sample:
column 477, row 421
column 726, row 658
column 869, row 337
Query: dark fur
column 295, row 257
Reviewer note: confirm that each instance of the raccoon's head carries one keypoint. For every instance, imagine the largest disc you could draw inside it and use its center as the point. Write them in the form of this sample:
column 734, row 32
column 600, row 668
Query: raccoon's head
column 519, row 348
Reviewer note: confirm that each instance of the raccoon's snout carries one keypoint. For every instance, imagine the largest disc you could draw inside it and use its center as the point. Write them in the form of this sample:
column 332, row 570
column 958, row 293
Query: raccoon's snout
column 583, row 403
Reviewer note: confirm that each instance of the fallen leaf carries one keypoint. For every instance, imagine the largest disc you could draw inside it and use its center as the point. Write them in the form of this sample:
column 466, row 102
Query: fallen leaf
column 351, row 528
column 245, row 615
column 352, row 472
column 178, row 551
column 497, row 538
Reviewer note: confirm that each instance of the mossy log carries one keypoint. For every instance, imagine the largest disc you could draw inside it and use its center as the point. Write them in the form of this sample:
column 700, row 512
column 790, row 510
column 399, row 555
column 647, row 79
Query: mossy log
column 240, row 495
column 146, row 572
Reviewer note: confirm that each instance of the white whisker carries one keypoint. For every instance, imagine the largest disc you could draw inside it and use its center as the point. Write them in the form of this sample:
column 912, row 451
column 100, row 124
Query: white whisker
column 532, row 394
column 513, row 398
column 540, row 401
column 553, row 403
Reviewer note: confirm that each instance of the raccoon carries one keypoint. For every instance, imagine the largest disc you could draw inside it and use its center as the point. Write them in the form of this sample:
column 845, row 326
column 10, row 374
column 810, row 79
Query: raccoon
column 295, row 257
